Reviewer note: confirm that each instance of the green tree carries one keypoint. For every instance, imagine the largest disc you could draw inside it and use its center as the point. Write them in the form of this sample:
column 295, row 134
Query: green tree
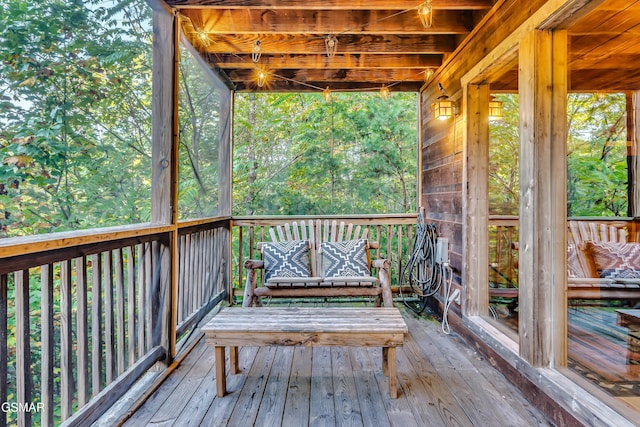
column 75, row 137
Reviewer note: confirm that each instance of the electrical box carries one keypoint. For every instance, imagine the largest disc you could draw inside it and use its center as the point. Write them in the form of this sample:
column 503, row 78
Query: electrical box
column 442, row 250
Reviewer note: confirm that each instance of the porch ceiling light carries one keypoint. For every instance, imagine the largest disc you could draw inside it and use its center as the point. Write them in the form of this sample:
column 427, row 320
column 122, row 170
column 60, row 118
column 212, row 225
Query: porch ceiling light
column 443, row 107
column 203, row 37
column 495, row 109
column 425, row 12
column 261, row 76
column 428, row 74
column 256, row 51
column 331, row 43
column 384, row 92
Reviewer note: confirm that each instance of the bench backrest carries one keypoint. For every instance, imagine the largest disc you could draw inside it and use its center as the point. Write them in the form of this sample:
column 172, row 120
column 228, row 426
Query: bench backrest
column 318, row 231
column 580, row 232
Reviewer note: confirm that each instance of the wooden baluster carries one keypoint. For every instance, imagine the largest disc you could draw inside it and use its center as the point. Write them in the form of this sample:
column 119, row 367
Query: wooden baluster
column 399, row 272
column 82, row 332
column 96, row 324
column 66, row 347
column 389, row 252
column 23, row 345
column 109, row 323
column 140, row 296
column 47, row 355
column 148, row 268
column 4, row 318
column 120, row 312
column 131, row 304
column 181, row 278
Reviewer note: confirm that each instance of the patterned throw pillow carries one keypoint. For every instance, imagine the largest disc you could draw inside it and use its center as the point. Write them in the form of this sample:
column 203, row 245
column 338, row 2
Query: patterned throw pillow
column 616, row 260
column 286, row 259
column 345, row 259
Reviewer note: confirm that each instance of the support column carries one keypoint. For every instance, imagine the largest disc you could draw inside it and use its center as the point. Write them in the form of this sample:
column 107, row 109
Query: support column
column 542, row 85
column 476, row 197
column 164, row 175
column 633, row 165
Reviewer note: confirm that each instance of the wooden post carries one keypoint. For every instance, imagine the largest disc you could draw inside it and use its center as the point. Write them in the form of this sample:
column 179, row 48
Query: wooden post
column 633, row 166
column 543, row 198
column 476, row 206
column 164, row 176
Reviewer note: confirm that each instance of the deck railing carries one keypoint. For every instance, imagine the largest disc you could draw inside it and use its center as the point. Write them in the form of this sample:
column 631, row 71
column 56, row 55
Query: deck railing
column 394, row 233
column 84, row 314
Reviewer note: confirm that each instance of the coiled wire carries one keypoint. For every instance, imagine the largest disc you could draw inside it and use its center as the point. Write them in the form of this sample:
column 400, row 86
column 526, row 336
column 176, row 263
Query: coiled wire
column 421, row 273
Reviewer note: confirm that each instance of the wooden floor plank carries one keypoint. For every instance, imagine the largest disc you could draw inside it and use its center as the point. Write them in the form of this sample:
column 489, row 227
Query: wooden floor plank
column 369, row 395
column 345, row 395
column 442, row 382
column 296, row 409
column 275, row 393
column 482, row 403
column 158, row 399
column 322, row 408
column 246, row 410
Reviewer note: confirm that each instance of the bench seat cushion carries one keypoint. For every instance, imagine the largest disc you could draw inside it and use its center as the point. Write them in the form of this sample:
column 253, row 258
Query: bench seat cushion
column 309, row 282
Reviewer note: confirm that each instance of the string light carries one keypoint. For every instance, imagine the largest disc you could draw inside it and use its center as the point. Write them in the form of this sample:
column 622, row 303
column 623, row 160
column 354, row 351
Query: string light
column 384, row 92
column 256, row 51
column 331, row 43
column 203, row 37
column 326, row 94
column 261, row 76
column 425, row 12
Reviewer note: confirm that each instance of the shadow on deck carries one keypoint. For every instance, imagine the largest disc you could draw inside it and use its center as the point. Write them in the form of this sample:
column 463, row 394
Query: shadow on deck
column 442, row 381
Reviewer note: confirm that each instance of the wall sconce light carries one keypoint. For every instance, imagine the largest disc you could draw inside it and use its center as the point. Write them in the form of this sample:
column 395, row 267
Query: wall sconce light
column 256, row 51
column 384, row 92
column 261, row 77
column 331, row 43
column 495, row 109
column 326, row 94
column 428, row 74
column 425, row 12
column 443, row 107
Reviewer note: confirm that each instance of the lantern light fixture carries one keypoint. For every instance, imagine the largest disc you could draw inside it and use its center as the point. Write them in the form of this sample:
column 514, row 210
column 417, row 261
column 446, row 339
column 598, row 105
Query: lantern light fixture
column 443, row 108
column 256, row 51
column 331, row 44
column 495, row 109
column 425, row 12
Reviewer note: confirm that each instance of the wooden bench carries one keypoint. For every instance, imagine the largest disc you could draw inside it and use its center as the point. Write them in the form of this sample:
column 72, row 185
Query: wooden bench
column 315, row 232
column 257, row 326
column 584, row 281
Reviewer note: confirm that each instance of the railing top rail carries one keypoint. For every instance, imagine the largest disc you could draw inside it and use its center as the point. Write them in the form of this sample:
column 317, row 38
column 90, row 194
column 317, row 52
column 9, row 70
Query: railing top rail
column 16, row 246
column 361, row 219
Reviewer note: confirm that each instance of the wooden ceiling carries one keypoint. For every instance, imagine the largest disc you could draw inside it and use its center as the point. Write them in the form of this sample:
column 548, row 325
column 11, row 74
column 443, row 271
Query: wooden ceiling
column 604, row 51
column 380, row 42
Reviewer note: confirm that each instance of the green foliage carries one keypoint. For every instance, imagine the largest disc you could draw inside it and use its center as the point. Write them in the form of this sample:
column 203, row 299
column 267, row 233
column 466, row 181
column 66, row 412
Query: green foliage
column 70, row 155
column 596, row 157
column 297, row 154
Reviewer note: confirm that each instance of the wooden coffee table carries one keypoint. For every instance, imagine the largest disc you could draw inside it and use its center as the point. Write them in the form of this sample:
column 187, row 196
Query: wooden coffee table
column 266, row 326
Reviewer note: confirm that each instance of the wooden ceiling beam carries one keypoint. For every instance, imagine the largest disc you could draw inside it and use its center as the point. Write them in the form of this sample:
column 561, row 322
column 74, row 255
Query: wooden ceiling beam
column 331, row 4
column 321, row 61
column 251, row 21
column 347, row 44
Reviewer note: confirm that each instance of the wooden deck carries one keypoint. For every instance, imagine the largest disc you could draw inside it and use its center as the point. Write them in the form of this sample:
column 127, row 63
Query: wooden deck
column 442, row 381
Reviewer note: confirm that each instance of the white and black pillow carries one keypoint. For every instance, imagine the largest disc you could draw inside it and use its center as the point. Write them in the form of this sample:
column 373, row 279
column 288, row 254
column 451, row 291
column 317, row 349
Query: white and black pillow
column 345, row 259
column 286, row 259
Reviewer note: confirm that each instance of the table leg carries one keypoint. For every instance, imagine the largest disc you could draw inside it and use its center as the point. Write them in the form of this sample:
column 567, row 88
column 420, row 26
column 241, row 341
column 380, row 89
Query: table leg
column 233, row 360
column 385, row 358
column 221, row 378
column 392, row 370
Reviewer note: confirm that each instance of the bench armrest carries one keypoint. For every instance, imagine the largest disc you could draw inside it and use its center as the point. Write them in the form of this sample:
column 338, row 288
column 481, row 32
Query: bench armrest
column 253, row 264
column 380, row 263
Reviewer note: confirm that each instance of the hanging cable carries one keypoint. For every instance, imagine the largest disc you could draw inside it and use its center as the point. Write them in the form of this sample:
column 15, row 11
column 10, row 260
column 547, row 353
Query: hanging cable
column 421, row 272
